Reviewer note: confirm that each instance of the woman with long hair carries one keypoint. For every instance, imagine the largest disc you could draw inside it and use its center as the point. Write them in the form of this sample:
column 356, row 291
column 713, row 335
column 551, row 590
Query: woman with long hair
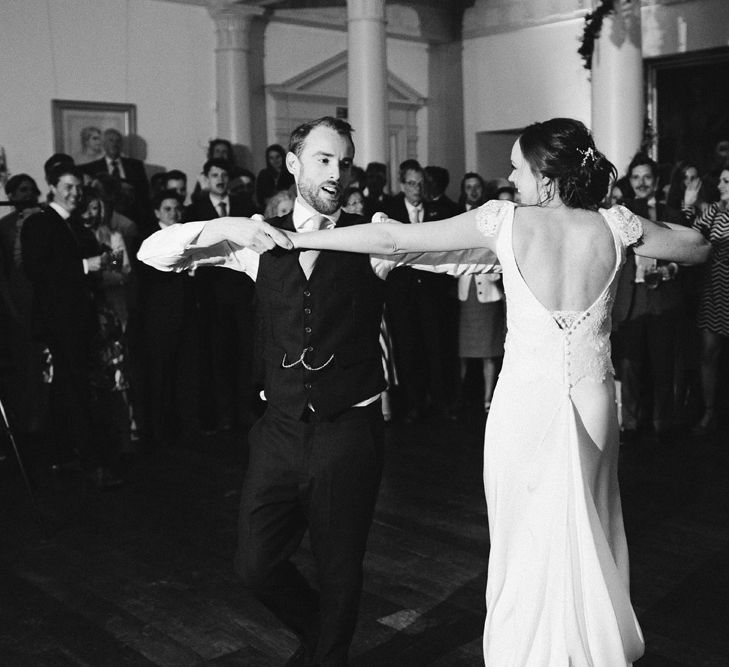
column 557, row 590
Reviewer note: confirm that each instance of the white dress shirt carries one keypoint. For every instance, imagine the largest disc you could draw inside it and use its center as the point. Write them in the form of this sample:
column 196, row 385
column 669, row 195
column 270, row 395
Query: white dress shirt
column 110, row 165
column 487, row 288
column 415, row 213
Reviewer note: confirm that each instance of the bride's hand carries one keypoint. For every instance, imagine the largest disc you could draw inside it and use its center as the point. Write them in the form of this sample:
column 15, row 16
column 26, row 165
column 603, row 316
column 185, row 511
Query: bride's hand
column 251, row 233
column 380, row 217
column 292, row 238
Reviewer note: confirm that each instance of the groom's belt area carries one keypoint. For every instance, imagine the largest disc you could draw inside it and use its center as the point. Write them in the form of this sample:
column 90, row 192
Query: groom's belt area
column 311, row 416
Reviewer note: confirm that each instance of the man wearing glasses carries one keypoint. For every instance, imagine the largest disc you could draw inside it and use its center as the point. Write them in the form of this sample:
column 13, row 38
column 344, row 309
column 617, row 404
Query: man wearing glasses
column 414, row 305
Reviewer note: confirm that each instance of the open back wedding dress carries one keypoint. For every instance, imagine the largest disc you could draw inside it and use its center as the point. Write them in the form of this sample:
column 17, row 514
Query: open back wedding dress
column 557, row 593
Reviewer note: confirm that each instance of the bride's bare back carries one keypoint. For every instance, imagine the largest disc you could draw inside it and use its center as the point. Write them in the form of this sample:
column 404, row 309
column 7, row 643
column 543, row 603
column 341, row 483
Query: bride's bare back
column 565, row 256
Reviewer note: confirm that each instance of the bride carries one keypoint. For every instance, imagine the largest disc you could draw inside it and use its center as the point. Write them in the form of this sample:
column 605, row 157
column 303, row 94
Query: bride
column 557, row 591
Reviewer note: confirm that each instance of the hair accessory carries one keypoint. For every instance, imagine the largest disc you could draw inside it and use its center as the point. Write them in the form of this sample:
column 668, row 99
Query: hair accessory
column 587, row 154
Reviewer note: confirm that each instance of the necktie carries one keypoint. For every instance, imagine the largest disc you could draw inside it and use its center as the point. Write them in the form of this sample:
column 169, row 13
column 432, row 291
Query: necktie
column 223, row 209
column 415, row 213
column 115, row 173
column 307, row 258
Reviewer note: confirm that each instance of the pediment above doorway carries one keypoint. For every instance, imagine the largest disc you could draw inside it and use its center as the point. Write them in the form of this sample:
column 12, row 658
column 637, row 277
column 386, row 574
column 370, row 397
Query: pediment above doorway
column 328, row 79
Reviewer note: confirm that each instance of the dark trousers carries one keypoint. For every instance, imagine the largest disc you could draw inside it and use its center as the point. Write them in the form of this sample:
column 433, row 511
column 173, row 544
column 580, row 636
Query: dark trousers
column 226, row 319
column 416, row 313
column 162, row 354
column 645, row 350
column 322, row 476
column 70, row 399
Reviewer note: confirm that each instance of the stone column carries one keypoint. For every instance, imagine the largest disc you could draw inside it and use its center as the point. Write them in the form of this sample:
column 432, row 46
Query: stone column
column 618, row 105
column 232, row 70
column 367, row 82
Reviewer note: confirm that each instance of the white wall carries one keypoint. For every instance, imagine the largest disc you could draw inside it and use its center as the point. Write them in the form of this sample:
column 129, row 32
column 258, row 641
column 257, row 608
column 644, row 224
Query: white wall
column 157, row 55
column 514, row 78
column 408, row 60
column 293, row 49
column 684, row 26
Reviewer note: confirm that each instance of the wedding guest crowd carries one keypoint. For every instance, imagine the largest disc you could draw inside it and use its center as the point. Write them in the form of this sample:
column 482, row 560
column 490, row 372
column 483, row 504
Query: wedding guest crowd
column 97, row 340
column 670, row 322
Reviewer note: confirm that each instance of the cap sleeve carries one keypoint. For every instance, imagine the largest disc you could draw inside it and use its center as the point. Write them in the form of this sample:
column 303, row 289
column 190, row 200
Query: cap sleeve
column 630, row 228
column 490, row 215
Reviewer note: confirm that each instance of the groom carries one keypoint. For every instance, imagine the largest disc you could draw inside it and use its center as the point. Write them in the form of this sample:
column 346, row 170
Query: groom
column 316, row 454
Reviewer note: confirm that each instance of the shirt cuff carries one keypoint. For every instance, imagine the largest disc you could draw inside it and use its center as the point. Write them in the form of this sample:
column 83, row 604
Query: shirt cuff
column 86, row 266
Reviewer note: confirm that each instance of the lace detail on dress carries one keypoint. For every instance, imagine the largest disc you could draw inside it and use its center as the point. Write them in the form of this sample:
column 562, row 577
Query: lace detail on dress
column 566, row 318
column 491, row 214
column 591, row 344
column 628, row 224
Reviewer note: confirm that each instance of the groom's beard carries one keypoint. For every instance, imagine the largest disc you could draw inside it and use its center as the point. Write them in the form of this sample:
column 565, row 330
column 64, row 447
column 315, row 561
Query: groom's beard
column 326, row 198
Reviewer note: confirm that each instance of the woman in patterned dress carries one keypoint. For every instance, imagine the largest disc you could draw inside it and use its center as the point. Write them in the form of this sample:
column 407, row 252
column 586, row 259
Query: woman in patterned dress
column 713, row 316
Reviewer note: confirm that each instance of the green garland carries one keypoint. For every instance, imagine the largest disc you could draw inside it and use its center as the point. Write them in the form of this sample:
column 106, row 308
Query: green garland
column 593, row 26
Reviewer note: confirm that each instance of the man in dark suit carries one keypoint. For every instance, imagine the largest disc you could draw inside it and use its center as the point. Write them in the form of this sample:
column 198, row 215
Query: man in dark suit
column 123, row 169
column 167, row 314
column 53, row 258
column 440, row 205
column 648, row 307
column 415, row 306
column 473, row 191
column 376, row 199
column 445, row 289
column 25, row 391
column 226, row 316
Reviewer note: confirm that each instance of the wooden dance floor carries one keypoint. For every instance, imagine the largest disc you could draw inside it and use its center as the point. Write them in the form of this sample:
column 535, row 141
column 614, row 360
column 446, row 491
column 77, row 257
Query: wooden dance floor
column 142, row 575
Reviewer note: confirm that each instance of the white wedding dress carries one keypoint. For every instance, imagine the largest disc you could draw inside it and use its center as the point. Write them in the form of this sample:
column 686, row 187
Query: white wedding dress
column 557, row 593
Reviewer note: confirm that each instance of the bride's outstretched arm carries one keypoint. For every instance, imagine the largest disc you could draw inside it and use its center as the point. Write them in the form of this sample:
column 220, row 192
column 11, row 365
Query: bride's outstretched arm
column 673, row 243
column 460, row 232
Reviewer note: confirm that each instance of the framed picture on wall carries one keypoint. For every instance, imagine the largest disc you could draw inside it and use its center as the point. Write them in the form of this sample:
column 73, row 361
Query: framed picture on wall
column 78, row 126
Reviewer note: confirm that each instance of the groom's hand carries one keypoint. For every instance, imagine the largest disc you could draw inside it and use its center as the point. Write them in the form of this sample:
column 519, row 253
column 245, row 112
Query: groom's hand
column 245, row 233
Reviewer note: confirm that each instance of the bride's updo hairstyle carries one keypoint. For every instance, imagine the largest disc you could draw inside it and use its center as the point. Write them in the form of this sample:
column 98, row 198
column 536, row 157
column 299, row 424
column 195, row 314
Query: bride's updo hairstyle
column 562, row 149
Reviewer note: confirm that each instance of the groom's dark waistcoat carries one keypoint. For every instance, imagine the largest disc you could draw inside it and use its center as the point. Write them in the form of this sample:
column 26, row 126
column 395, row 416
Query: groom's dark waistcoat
column 330, row 322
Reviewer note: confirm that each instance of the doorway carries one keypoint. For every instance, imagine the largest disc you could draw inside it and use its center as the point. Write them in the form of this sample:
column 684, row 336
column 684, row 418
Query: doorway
column 688, row 106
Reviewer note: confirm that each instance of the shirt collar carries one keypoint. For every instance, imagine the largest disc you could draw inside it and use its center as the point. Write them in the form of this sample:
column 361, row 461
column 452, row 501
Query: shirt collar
column 60, row 210
column 303, row 212
column 410, row 207
column 110, row 160
column 216, row 199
